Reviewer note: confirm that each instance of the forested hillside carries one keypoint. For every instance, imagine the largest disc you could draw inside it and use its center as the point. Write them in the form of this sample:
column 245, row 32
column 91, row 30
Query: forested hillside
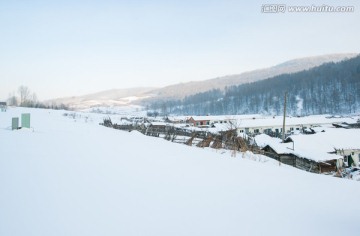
column 179, row 91
column 332, row 88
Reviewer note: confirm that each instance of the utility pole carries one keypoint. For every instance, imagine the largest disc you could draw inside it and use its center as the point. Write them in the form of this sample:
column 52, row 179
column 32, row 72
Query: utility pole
column 283, row 130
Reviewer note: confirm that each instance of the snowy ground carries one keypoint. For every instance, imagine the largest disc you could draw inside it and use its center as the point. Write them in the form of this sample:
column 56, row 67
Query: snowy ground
column 71, row 176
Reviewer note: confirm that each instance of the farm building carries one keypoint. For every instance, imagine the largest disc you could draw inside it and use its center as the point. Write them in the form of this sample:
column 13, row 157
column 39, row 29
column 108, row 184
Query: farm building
column 258, row 124
column 274, row 126
column 274, row 130
column 303, row 163
column 300, row 151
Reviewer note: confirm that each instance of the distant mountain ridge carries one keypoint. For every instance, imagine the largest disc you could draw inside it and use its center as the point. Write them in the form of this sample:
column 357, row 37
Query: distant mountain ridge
column 120, row 97
column 179, row 91
column 331, row 88
column 113, row 97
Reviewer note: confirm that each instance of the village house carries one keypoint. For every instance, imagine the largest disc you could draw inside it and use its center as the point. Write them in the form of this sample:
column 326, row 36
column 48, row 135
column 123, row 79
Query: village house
column 276, row 130
column 274, row 126
column 209, row 121
column 199, row 121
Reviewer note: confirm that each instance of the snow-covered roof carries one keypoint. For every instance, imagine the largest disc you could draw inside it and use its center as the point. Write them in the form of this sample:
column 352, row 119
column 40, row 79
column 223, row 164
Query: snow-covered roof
column 263, row 140
column 160, row 123
column 315, row 146
column 256, row 120
column 214, row 118
column 278, row 121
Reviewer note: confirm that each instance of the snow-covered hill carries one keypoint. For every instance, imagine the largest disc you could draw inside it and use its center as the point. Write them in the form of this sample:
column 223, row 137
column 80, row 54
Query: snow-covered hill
column 292, row 66
column 121, row 97
column 69, row 176
column 113, row 97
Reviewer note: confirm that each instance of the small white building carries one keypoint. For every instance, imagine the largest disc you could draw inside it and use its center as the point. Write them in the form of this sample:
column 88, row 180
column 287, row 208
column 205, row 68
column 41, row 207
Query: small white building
column 351, row 157
column 276, row 129
column 274, row 125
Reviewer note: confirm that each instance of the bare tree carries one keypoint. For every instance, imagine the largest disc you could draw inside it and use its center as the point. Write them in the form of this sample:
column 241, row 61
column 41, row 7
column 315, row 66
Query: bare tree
column 32, row 100
column 237, row 143
column 24, row 93
column 233, row 123
column 12, row 100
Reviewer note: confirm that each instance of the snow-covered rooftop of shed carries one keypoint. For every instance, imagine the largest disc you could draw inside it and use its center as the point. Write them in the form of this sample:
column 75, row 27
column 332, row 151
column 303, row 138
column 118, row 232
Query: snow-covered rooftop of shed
column 315, row 146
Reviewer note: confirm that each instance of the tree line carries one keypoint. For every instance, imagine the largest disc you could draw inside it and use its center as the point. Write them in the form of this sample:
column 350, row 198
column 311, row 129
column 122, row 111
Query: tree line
column 25, row 98
column 332, row 88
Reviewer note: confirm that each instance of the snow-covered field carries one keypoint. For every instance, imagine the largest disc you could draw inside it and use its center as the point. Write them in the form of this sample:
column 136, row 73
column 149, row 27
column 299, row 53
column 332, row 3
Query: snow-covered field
column 70, row 176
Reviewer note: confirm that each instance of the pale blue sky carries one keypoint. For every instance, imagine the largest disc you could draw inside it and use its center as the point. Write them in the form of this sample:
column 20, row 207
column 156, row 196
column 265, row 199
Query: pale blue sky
column 65, row 48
